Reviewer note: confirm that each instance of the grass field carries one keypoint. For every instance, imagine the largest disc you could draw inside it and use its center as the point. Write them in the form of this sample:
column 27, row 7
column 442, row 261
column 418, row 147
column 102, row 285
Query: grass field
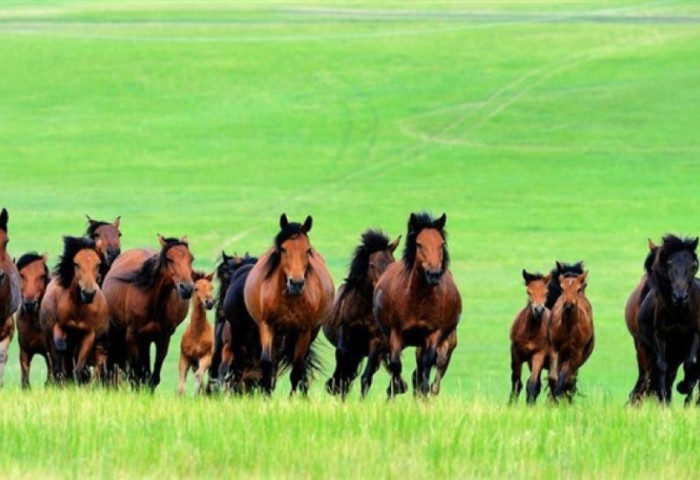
column 546, row 130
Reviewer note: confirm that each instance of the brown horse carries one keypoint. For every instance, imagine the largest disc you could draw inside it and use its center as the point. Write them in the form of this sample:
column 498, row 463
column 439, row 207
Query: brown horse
column 352, row 328
column 197, row 344
column 34, row 278
column 571, row 336
column 289, row 292
column 528, row 337
column 73, row 311
column 107, row 239
column 416, row 301
column 632, row 320
column 10, row 295
column 442, row 362
column 148, row 294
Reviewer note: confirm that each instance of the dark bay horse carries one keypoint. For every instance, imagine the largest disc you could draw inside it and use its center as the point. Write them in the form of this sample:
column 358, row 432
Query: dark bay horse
column 232, row 268
column 10, row 295
column 669, row 316
column 528, row 337
column 73, row 312
column 571, row 335
column 107, row 239
column 352, row 329
column 240, row 369
column 32, row 339
column 553, row 286
column 148, row 294
column 289, row 292
column 416, row 301
column 631, row 320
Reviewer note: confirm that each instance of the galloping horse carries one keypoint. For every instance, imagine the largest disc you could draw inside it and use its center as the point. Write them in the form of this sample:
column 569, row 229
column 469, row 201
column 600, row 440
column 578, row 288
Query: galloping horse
column 289, row 292
column 148, row 293
column 240, row 366
column 10, row 295
column 34, row 276
column 669, row 316
column 226, row 272
column 571, row 335
column 416, row 301
column 631, row 319
column 528, row 337
column 352, row 328
column 107, row 239
column 73, row 311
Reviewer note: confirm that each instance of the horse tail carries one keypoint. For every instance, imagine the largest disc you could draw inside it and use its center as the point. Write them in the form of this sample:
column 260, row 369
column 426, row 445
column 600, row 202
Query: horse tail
column 313, row 366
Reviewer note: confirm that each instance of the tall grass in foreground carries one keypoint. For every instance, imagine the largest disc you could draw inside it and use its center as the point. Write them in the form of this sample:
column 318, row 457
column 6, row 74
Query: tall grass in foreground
column 71, row 433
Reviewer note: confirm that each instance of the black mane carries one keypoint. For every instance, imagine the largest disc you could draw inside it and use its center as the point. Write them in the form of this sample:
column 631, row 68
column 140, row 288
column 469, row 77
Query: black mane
column 226, row 269
column 65, row 268
column 146, row 276
column 372, row 241
column 649, row 261
column 417, row 223
column 273, row 261
column 28, row 258
column 553, row 287
column 93, row 225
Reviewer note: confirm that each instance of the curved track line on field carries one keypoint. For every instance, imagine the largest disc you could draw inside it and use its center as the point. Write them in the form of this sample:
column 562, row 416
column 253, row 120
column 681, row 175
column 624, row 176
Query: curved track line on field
column 499, row 103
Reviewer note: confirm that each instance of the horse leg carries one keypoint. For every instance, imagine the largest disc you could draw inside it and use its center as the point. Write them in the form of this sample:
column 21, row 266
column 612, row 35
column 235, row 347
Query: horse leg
column 299, row 375
column 375, row 350
column 8, row 328
column 85, row 348
column 639, row 389
column 516, row 371
column 183, row 366
column 204, row 364
column 661, row 372
column 427, row 360
column 60, row 348
column 443, row 362
column 266, row 339
column 134, row 362
column 224, row 364
column 534, row 384
column 213, row 384
column 685, row 387
column 553, row 372
column 563, row 379
column 354, row 358
column 334, row 385
column 397, row 385
column 47, row 359
column 162, row 345
column 25, row 359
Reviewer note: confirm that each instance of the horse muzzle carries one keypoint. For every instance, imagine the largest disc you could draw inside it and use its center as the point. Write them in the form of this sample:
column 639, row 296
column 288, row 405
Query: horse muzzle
column 433, row 277
column 295, row 287
column 87, row 296
column 680, row 299
column 537, row 310
column 112, row 254
column 30, row 305
column 208, row 304
column 185, row 290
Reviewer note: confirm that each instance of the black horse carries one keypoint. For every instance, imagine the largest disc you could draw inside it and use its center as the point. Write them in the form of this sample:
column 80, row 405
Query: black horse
column 669, row 316
column 225, row 272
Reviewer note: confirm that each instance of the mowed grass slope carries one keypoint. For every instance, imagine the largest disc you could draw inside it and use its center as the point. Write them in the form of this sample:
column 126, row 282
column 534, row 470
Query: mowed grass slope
column 551, row 130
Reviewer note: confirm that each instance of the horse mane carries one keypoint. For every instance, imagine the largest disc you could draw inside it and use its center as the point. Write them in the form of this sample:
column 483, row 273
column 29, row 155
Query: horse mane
column 226, row 269
column 93, row 225
column 553, row 287
column 65, row 268
column 421, row 221
column 292, row 229
column 671, row 245
column 28, row 258
column 146, row 276
column 649, row 261
column 4, row 217
column 372, row 241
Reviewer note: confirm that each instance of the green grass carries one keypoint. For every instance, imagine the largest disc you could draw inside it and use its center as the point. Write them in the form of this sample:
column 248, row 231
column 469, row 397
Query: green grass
column 541, row 139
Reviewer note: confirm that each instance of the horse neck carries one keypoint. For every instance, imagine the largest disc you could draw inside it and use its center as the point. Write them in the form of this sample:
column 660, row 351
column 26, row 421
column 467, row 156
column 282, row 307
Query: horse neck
column 418, row 285
column 576, row 315
column 531, row 321
column 198, row 320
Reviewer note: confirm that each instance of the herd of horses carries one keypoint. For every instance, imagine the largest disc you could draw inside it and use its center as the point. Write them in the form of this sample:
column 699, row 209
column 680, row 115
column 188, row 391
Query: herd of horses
column 96, row 316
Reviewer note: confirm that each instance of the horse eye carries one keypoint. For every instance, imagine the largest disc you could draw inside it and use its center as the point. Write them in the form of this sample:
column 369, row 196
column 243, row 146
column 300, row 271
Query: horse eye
column 283, row 250
column 308, row 252
column 76, row 265
column 419, row 245
column 119, row 234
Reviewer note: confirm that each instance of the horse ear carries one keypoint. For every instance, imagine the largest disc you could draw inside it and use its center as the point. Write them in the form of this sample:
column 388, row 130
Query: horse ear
column 4, row 217
column 440, row 222
column 236, row 259
column 393, row 245
column 547, row 278
column 652, row 245
column 525, row 276
column 116, row 221
column 559, row 267
column 412, row 221
column 284, row 223
column 582, row 277
column 210, row 277
column 224, row 257
column 161, row 240
column 45, row 258
column 306, row 228
column 184, row 240
column 694, row 243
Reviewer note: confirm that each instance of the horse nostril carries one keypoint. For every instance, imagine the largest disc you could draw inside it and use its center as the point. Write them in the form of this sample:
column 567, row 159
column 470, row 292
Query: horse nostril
column 295, row 287
column 185, row 290
column 30, row 306
column 87, row 295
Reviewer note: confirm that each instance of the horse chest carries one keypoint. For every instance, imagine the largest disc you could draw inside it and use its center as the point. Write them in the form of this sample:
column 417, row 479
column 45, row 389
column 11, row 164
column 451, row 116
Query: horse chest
column 291, row 312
